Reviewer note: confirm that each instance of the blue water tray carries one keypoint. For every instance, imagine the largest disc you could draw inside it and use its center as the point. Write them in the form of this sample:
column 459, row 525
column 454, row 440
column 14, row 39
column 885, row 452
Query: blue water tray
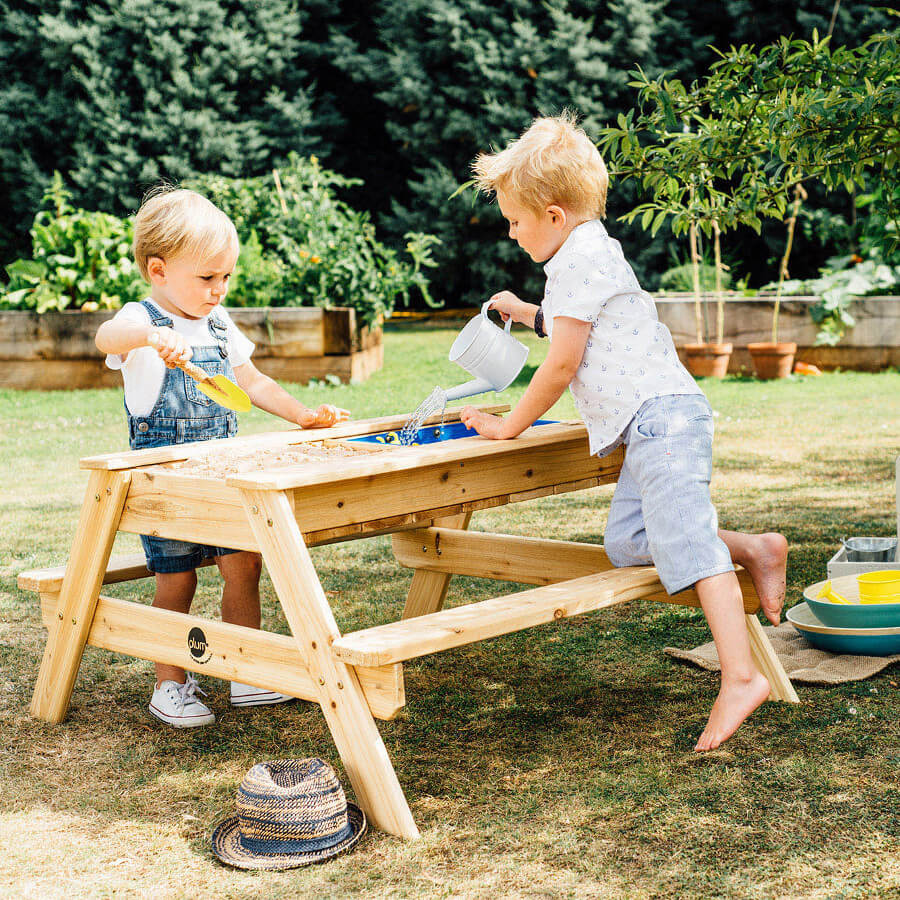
column 432, row 434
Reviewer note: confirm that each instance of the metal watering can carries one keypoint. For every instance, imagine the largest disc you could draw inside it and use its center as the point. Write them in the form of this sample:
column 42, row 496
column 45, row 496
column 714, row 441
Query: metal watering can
column 488, row 352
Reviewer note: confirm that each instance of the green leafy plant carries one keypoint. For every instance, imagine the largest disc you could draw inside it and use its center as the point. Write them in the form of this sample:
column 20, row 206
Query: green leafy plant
column 840, row 282
column 303, row 246
column 80, row 260
column 737, row 145
column 873, row 266
column 680, row 279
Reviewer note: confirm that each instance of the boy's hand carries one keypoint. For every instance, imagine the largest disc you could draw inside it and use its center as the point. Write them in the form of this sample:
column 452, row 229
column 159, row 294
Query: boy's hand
column 325, row 416
column 509, row 306
column 485, row 424
column 172, row 347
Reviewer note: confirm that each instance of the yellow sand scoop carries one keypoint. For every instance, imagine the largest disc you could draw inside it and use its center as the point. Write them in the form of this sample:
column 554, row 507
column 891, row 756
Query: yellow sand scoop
column 826, row 592
column 217, row 387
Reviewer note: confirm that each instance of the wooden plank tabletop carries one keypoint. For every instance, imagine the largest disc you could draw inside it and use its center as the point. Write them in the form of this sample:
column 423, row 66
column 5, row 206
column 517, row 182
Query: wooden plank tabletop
column 398, row 459
column 132, row 459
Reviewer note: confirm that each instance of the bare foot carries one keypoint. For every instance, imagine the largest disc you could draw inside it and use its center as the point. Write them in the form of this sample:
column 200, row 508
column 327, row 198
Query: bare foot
column 735, row 702
column 766, row 561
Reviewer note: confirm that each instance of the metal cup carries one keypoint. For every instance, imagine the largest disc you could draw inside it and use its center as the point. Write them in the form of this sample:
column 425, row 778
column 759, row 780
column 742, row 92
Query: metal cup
column 870, row 549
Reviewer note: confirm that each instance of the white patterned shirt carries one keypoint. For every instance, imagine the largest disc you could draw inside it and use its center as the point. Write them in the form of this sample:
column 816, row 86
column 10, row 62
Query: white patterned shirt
column 630, row 356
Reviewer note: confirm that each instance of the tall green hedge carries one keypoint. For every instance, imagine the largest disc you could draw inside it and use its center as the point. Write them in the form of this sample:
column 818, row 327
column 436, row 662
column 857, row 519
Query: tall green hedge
column 119, row 93
column 400, row 93
column 454, row 77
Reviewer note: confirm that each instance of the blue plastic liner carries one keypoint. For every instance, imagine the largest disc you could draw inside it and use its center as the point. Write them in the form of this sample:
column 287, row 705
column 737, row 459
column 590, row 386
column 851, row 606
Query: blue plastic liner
column 432, row 434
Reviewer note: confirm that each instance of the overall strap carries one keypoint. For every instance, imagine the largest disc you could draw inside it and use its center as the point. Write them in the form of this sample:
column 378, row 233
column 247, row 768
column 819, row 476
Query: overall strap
column 157, row 317
column 219, row 331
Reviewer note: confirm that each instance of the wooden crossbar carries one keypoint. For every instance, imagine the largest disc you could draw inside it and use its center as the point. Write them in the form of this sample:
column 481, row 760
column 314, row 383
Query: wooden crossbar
column 526, row 560
column 128, row 567
column 474, row 622
column 438, row 552
column 249, row 655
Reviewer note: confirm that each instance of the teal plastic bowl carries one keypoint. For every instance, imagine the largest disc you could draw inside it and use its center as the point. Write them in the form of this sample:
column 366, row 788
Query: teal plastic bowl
column 853, row 614
column 859, row 641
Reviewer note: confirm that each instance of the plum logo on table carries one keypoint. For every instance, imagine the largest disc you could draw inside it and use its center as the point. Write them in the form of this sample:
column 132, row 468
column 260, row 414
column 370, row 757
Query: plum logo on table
column 198, row 646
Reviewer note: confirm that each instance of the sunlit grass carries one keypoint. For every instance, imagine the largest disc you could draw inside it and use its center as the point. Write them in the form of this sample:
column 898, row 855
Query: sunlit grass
column 555, row 762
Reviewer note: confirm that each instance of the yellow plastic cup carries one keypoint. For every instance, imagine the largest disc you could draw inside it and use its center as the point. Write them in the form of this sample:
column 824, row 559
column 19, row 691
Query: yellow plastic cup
column 879, row 587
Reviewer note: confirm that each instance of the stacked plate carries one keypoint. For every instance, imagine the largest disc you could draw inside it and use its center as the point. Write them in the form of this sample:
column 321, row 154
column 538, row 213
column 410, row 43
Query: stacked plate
column 866, row 629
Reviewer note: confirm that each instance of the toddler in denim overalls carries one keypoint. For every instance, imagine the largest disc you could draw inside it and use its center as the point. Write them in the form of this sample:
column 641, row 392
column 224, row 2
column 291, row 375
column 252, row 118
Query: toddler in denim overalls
column 186, row 249
column 619, row 362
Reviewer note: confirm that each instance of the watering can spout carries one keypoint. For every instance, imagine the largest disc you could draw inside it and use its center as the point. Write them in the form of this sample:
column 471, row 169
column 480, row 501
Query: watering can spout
column 469, row 389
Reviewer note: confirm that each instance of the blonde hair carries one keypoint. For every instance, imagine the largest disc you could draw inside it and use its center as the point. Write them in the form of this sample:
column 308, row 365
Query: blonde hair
column 554, row 161
column 177, row 222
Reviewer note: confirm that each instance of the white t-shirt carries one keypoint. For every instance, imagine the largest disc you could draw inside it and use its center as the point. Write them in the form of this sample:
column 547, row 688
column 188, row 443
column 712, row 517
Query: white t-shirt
column 143, row 370
column 630, row 356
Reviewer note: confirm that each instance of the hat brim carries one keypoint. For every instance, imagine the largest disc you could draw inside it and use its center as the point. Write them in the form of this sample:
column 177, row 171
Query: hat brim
column 226, row 845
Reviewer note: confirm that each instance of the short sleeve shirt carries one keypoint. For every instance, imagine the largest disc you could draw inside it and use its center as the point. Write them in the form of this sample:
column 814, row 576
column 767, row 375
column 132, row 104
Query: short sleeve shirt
column 630, row 356
column 143, row 370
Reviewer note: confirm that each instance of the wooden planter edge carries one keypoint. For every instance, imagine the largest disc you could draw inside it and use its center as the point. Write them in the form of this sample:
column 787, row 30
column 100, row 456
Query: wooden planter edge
column 56, row 350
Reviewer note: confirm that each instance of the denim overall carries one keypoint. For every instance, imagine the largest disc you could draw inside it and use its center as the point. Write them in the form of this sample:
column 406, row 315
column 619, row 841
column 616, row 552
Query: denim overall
column 181, row 414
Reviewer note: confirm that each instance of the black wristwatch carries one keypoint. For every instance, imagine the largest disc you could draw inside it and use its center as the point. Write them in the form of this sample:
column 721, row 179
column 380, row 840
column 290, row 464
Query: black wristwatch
column 539, row 322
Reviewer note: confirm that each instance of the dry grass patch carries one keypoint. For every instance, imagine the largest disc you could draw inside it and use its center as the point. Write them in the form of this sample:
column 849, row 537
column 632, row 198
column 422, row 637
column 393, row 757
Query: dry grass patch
column 552, row 763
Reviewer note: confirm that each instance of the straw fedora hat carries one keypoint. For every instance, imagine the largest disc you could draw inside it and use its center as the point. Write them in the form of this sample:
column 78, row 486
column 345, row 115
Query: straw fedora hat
column 290, row 812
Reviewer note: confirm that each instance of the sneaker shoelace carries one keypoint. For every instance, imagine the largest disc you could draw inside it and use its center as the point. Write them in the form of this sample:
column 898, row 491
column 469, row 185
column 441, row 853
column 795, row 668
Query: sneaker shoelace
column 187, row 692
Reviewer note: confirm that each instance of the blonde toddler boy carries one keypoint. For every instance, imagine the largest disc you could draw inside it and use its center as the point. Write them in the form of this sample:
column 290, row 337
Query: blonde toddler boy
column 186, row 249
column 619, row 362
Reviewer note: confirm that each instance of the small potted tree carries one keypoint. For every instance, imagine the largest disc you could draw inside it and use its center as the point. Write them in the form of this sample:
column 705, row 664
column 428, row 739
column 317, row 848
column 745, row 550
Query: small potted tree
column 708, row 358
column 763, row 121
column 772, row 359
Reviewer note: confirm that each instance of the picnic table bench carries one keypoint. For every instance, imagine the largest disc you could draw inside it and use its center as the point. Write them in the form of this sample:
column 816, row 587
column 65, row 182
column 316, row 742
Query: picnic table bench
column 423, row 496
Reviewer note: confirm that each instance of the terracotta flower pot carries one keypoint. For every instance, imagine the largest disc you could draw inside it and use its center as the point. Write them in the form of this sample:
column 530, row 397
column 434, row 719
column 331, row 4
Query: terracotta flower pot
column 708, row 359
column 772, row 360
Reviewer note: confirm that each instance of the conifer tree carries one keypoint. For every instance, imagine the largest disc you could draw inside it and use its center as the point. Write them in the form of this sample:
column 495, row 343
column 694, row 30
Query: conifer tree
column 120, row 93
column 459, row 76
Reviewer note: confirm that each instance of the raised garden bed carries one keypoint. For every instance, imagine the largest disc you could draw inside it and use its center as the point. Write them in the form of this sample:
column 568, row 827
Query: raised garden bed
column 56, row 350
column 871, row 345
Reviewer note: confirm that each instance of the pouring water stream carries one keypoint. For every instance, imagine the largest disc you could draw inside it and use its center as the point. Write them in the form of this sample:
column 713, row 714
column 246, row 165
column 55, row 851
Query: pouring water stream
column 484, row 350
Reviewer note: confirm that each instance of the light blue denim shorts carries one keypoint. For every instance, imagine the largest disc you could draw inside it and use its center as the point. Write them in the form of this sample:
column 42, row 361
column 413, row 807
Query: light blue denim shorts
column 661, row 512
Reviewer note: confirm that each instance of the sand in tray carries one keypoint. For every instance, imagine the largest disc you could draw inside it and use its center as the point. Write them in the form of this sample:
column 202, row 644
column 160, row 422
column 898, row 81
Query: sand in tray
column 433, row 404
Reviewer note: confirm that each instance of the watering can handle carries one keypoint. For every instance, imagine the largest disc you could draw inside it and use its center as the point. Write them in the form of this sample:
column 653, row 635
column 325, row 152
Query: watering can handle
column 484, row 311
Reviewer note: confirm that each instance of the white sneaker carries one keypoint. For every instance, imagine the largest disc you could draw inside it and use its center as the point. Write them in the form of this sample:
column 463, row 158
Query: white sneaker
column 177, row 704
column 247, row 695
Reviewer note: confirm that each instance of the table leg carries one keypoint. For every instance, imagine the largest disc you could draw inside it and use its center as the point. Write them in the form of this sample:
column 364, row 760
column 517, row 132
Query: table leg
column 91, row 547
column 769, row 664
column 429, row 589
column 312, row 623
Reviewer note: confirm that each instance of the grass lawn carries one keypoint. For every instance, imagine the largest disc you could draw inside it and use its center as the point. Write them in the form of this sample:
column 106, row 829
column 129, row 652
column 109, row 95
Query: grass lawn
column 556, row 762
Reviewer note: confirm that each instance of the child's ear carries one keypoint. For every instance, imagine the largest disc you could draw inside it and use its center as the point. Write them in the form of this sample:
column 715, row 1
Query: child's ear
column 557, row 216
column 156, row 269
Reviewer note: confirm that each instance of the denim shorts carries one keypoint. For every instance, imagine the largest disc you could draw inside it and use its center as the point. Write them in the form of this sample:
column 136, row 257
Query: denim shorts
column 661, row 512
column 167, row 556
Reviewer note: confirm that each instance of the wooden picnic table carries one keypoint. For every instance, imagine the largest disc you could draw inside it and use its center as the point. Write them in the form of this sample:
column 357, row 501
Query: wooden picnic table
column 424, row 496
